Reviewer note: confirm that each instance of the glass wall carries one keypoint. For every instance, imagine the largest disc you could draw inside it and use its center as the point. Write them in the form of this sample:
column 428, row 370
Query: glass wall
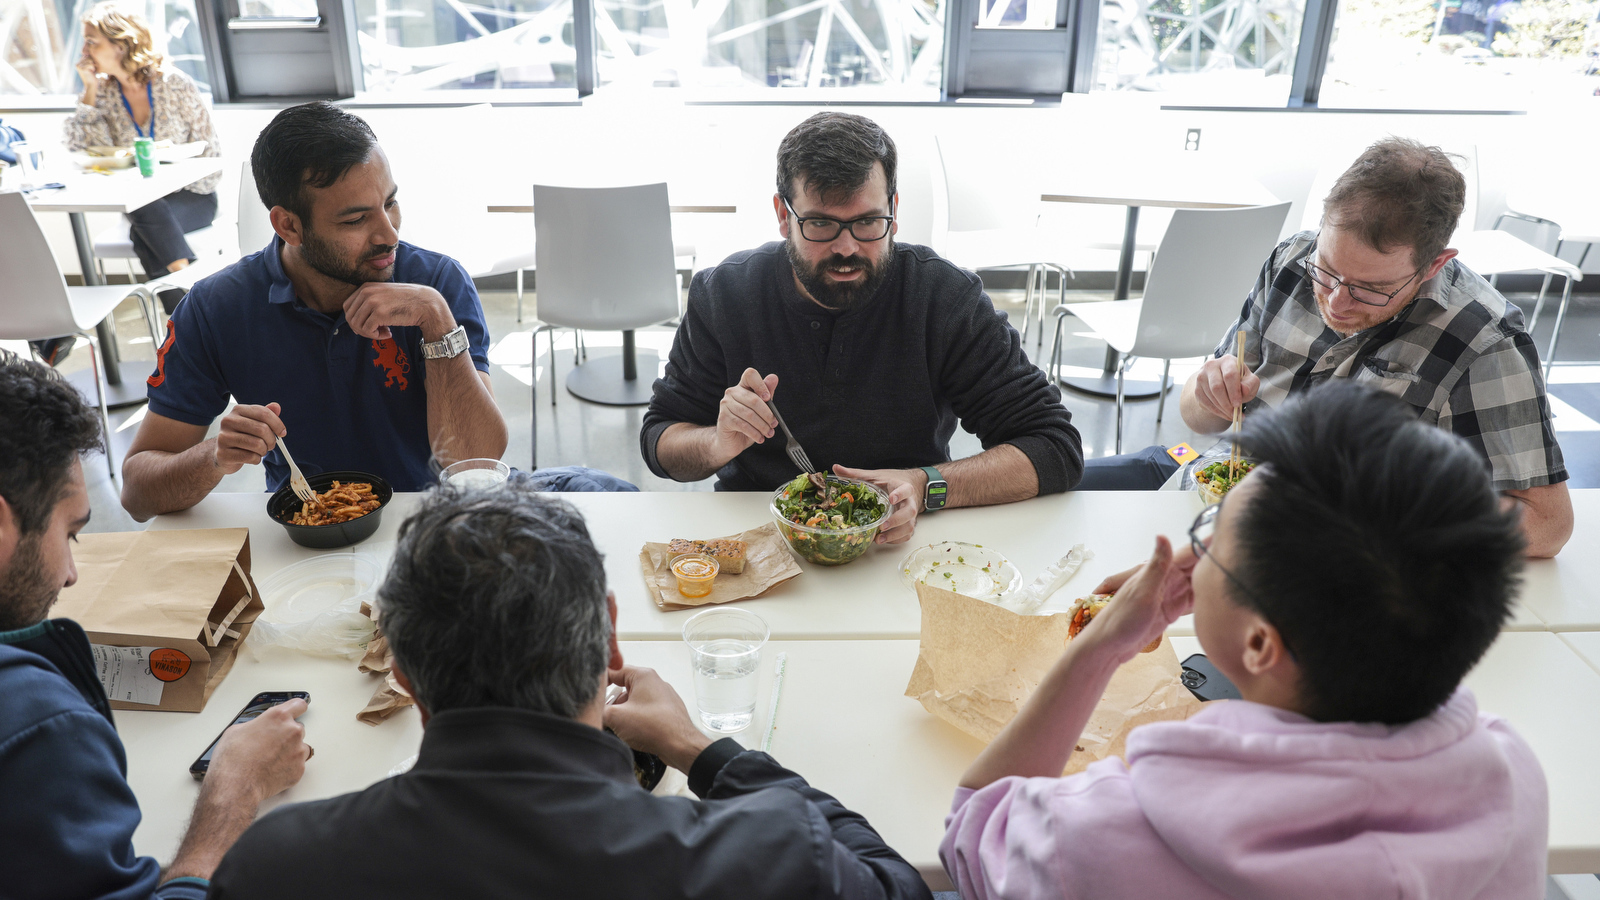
column 735, row 45
column 1201, row 52
column 424, row 45
column 41, row 40
column 1484, row 54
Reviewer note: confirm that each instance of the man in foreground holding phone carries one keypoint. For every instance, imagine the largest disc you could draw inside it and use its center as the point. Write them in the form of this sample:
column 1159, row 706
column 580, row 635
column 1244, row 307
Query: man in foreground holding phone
column 502, row 630
column 1345, row 586
column 69, row 813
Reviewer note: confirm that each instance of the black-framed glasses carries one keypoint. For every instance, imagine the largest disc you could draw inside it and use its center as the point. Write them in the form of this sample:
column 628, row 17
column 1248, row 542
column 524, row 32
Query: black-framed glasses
column 1364, row 295
column 1200, row 534
column 821, row 230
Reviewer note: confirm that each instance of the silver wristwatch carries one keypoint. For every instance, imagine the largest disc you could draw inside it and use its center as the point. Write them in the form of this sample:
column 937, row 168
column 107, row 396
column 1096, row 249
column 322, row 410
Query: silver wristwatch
column 447, row 347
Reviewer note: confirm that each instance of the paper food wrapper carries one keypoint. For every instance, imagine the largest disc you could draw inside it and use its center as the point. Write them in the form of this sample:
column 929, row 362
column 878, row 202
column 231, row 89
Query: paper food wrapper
column 979, row 663
column 768, row 563
column 389, row 698
column 165, row 612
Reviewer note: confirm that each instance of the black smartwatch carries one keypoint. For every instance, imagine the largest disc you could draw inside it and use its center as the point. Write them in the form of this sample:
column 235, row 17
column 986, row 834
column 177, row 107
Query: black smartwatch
column 937, row 492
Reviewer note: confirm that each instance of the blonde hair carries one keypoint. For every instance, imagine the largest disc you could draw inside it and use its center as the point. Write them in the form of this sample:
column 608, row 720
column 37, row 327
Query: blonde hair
column 127, row 29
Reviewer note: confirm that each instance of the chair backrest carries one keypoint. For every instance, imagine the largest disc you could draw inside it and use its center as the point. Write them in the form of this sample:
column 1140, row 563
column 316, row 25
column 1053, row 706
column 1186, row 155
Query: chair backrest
column 604, row 256
column 986, row 185
column 33, row 294
column 1207, row 262
column 255, row 223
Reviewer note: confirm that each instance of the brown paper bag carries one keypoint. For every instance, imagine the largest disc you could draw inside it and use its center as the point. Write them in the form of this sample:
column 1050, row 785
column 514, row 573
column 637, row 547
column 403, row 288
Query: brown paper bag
column 978, row 663
column 165, row 611
column 388, row 698
column 768, row 563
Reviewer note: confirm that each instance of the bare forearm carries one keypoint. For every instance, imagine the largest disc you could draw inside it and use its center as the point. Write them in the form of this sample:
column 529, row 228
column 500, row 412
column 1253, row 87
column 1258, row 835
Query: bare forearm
column 221, row 815
column 1000, row 474
column 1042, row 736
column 1546, row 518
column 156, row 481
column 463, row 420
column 688, row 452
column 1199, row 419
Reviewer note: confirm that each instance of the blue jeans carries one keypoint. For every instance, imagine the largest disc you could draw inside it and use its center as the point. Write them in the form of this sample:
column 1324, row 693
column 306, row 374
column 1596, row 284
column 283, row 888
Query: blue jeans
column 1145, row 470
column 572, row 479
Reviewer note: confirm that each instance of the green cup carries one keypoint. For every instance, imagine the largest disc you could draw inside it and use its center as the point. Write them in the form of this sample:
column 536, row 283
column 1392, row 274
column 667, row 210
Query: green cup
column 142, row 152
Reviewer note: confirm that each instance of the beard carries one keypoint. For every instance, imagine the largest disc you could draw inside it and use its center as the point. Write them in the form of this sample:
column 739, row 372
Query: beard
column 26, row 593
column 833, row 294
column 323, row 257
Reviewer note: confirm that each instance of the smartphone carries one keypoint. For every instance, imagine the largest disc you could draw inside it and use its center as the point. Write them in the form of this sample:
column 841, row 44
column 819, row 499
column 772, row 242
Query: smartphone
column 1205, row 682
column 260, row 704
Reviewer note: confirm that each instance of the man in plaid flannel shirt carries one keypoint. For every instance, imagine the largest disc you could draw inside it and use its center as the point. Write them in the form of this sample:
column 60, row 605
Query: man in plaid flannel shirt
column 1376, row 296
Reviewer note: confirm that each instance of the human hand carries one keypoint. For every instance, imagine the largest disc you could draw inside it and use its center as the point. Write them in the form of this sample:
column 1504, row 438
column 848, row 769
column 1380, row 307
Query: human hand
column 377, row 305
column 263, row 756
column 650, row 716
column 90, row 74
column 1149, row 598
column 743, row 417
column 1223, row 384
column 248, row 433
column 905, row 489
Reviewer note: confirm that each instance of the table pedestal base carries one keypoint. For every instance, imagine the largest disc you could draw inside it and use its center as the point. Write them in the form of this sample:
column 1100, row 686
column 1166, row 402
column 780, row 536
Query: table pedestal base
column 129, row 391
column 1106, row 386
column 602, row 379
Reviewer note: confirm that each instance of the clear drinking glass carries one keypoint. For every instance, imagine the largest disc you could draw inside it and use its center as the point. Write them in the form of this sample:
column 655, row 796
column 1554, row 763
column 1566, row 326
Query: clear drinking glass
column 475, row 474
column 725, row 650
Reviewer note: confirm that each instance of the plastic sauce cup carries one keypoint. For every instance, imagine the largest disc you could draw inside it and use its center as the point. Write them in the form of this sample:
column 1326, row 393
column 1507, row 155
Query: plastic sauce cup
column 142, row 152
column 696, row 574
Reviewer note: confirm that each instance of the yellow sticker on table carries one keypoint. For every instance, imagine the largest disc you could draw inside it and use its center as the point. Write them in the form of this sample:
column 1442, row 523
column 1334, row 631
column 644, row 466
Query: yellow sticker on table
column 1181, row 453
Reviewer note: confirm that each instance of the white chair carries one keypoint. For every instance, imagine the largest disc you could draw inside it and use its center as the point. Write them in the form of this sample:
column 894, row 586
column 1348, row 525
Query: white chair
column 605, row 262
column 255, row 222
column 1570, row 211
column 36, row 303
column 1201, row 275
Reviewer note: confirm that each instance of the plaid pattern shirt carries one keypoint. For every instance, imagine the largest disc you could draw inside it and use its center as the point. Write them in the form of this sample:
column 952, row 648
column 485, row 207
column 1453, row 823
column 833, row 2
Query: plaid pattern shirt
column 1458, row 354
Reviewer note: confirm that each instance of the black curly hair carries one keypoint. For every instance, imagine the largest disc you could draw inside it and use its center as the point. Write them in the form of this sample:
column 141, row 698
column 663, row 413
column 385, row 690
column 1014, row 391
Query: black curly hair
column 44, row 425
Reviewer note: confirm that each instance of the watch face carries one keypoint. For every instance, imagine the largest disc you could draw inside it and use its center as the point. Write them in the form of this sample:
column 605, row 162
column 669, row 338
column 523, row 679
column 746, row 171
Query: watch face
column 936, row 494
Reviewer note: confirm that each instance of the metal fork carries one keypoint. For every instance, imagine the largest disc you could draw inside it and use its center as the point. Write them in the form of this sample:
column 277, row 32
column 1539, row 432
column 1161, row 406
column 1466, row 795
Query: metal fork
column 796, row 454
column 297, row 481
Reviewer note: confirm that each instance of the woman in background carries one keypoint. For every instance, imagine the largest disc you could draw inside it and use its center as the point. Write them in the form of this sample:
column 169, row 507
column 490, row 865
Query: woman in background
column 130, row 91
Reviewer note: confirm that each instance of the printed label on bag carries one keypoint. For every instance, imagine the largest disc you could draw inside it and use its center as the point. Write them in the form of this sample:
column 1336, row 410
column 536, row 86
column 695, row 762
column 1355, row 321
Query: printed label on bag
column 125, row 673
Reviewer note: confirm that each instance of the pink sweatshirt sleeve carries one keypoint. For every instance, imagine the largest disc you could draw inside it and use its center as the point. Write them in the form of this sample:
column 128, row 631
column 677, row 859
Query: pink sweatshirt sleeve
column 998, row 841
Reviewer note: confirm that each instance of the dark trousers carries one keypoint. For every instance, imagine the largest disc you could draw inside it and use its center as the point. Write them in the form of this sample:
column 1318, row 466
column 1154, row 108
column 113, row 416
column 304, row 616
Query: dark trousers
column 158, row 228
column 1146, row 470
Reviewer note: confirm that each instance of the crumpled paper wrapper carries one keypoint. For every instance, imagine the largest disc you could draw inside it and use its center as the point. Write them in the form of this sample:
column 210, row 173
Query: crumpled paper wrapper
column 389, row 698
column 768, row 563
column 979, row 663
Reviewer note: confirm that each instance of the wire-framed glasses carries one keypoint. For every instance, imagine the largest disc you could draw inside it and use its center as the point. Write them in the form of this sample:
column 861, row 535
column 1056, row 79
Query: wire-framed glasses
column 1200, row 534
column 821, row 230
column 1365, row 295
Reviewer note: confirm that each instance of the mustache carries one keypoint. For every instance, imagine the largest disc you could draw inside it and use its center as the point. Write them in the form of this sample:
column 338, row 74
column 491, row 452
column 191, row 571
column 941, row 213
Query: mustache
column 381, row 253
column 837, row 261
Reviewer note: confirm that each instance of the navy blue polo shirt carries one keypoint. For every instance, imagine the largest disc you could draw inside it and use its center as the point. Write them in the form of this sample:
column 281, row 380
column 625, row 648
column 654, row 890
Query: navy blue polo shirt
column 349, row 402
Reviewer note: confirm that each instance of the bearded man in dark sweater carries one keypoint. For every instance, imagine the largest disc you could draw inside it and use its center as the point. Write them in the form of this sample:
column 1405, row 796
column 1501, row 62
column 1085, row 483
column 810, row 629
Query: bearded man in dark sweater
column 880, row 348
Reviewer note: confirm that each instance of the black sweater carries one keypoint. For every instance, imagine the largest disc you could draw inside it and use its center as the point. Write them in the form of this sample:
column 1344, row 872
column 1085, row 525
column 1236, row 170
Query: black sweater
column 878, row 386
column 511, row 803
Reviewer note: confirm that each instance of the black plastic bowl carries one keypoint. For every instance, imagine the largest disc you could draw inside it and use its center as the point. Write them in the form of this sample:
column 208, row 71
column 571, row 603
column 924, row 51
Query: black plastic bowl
column 284, row 504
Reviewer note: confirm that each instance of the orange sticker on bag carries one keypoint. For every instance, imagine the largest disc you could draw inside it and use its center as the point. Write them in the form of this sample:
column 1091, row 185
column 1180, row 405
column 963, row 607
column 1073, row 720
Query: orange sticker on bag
column 169, row 665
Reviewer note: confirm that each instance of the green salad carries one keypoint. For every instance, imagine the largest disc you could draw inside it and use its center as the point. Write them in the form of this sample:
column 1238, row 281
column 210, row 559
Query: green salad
column 836, row 518
column 1219, row 480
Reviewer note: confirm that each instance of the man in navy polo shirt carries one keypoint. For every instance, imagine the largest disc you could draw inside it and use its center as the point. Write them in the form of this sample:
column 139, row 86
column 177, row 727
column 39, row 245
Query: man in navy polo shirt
column 373, row 352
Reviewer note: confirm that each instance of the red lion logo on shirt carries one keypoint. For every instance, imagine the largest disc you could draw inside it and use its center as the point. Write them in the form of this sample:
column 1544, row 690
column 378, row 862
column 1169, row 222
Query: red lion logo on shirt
column 394, row 362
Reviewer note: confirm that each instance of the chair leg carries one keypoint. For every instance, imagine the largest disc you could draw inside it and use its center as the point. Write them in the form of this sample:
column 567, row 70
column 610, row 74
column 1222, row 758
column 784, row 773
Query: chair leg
column 1161, row 405
column 1122, row 371
column 519, row 295
column 1055, row 346
column 552, row 365
column 1027, row 302
column 1539, row 307
column 100, row 391
column 1555, row 336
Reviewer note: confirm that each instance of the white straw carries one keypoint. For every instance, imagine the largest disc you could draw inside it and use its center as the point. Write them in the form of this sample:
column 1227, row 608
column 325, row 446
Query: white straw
column 772, row 713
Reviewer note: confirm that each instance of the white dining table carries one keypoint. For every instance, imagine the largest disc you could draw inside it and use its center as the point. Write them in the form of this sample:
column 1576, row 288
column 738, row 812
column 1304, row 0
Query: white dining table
column 1178, row 180
column 115, row 191
column 849, row 635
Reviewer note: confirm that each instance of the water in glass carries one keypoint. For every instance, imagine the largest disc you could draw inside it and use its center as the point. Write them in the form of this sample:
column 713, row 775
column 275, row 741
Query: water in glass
column 725, row 683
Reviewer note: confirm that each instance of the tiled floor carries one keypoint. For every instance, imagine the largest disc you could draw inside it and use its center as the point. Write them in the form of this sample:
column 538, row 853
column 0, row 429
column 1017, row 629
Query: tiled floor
column 573, row 432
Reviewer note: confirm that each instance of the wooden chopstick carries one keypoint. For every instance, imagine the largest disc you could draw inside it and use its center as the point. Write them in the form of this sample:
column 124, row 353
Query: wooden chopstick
column 1238, row 418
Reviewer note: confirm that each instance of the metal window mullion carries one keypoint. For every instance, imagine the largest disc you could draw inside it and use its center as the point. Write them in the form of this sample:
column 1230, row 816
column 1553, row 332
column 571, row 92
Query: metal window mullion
column 583, row 44
column 1311, row 56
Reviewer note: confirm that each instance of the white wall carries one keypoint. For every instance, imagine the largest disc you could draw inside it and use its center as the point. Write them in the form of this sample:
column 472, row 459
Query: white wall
column 452, row 162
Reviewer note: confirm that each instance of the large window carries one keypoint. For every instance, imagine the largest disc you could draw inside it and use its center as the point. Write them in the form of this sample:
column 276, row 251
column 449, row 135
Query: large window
column 422, row 45
column 41, row 40
column 1494, row 54
column 721, row 46
column 1206, row 52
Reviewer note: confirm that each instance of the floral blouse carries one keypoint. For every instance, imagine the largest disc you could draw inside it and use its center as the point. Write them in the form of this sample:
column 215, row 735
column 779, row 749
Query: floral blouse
column 179, row 115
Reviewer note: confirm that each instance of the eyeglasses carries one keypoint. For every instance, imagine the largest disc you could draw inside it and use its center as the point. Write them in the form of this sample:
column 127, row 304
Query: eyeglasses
column 1363, row 295
column 820, row 230
column 1200, row 534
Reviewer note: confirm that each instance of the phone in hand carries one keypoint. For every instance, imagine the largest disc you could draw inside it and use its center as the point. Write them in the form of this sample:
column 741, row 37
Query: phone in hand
column 1204, row 680
column 260, row 704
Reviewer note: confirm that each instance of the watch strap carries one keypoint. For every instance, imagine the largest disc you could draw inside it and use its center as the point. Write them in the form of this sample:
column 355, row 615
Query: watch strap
column 453, row 344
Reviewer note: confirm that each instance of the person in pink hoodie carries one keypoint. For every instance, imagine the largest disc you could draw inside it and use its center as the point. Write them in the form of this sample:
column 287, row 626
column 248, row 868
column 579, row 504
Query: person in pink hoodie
column 1345, row 587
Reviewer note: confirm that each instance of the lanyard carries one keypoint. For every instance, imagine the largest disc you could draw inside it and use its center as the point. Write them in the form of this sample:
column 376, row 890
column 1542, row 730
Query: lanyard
column 151, row 97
